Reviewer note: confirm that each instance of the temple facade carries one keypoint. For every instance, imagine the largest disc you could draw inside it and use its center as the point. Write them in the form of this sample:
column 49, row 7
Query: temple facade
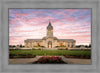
column 49, row 41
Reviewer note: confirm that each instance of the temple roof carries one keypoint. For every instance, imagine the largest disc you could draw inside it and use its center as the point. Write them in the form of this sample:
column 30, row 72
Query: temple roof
column 68, row 40
column 44, row 38
column 55, row 38
column 33, row 40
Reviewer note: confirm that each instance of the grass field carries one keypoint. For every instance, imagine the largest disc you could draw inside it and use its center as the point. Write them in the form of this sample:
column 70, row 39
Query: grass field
column 52, row 52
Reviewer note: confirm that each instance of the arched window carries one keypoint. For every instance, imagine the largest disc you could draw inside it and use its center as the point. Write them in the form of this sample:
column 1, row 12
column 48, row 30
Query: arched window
column 68, row 44
column 49, row 44
column 72, row 45
column 38, row 44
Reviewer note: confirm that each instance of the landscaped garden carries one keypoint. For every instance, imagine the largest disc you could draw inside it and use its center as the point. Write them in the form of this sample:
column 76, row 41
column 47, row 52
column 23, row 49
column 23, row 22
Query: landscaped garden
column 65, row 53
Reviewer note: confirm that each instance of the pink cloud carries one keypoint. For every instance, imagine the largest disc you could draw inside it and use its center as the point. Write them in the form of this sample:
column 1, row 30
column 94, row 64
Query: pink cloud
column 71, row 10
column 12, row 22
column 68, row 27
column 21, row 14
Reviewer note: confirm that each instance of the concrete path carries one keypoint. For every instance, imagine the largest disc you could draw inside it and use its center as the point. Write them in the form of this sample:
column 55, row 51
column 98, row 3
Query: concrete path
column 23, row 60
column 31, row 60
column 76, row 61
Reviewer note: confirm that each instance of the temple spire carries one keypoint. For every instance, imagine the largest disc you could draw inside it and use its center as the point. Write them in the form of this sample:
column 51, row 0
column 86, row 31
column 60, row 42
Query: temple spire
column 49, row 30
column 49, row 23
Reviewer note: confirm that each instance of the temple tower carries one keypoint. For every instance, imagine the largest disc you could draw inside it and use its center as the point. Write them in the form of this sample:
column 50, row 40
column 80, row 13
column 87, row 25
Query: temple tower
column 49, row 30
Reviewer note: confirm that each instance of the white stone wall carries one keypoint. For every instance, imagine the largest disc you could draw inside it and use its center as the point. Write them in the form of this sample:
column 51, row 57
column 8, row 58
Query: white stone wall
column 55, row 43
column 45, row 43
column 66, row 44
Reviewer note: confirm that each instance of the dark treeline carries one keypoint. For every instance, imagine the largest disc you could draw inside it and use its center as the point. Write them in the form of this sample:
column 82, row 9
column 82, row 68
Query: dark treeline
column 16, row 45
column 86, row 46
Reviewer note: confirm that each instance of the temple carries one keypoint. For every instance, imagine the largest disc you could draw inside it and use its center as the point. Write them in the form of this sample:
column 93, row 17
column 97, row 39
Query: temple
column 49, row 41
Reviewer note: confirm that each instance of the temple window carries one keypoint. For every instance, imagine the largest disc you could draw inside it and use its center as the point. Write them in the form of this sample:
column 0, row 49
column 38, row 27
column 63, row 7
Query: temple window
column 38, row 44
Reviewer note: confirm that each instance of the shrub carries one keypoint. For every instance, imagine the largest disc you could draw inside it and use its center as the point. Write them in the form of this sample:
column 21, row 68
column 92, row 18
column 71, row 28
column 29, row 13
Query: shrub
column 61, row 49
column 39, row 48
column 66, row 48
column 78, row 56
column 21, row 55
column 33, row 49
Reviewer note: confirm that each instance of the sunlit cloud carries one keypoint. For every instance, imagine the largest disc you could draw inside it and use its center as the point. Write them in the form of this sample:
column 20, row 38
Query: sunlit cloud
column 67, row 23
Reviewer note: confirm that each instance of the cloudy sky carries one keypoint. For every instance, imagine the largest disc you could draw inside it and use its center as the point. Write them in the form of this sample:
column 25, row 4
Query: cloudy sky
column 32, row 23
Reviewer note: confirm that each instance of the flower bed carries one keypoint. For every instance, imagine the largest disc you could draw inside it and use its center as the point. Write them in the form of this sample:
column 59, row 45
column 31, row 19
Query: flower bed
column 50, row 60
column 78, row 56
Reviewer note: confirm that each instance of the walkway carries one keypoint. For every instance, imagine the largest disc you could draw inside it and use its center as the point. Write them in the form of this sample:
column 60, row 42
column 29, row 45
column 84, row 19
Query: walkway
column 30, row 60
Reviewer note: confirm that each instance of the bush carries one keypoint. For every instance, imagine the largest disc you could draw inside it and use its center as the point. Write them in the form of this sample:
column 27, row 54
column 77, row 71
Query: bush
column 33, row 49
column 39, row 49
column 19, row 55
column 78, row 56
column 62, row 48
column 66, row 48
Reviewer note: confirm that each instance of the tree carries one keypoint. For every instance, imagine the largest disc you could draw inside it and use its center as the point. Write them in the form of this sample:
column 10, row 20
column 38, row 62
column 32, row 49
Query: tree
column 23, row 46
column 13, row 46
column 89, row 45
column 20, row 45
column 86, row 46
column 10, row 45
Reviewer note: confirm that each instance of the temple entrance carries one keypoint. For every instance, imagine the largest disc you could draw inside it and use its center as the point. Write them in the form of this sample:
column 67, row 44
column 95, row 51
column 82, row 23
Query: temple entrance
column 49, row 44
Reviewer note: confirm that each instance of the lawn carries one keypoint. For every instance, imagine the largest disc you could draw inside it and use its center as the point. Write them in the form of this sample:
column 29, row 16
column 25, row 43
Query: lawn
column 51, row 52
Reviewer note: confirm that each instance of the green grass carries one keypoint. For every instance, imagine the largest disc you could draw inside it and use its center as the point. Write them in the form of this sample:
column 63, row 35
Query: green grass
column 52, row 52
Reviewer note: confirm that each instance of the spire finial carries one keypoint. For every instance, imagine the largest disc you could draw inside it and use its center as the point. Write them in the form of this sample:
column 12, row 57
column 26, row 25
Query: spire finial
column 49, row 23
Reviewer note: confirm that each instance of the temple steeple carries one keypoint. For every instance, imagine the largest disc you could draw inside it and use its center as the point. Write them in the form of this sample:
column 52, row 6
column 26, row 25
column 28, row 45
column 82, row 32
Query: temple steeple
column 49, row 23
column 49, row 30
column 49, row 26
